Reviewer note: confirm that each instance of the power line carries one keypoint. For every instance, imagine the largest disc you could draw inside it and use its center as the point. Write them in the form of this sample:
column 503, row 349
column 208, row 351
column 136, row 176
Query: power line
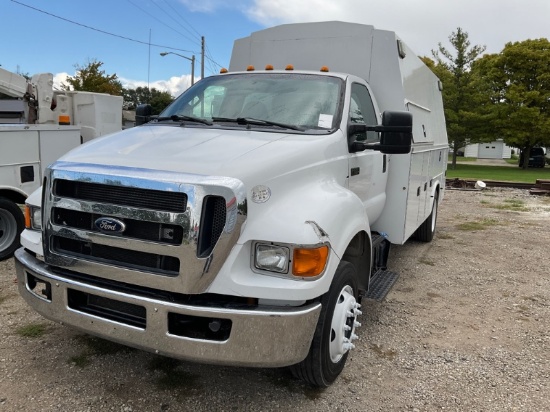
column 161, row 22
column 209, row 57
column 196, row 34
column 101, row 31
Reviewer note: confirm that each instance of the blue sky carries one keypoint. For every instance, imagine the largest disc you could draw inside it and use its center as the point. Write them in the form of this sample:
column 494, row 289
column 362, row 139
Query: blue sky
column 36, row 41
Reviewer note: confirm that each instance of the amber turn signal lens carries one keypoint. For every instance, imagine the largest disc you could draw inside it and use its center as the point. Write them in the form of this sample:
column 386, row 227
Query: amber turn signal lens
column 309, row 262
column 27, row 217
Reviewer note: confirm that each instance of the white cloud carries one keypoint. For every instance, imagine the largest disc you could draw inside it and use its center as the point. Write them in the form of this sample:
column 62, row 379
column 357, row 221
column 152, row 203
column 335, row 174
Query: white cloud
column 205, row 6
column 422, row 24
column 58, row 79
column 175, row 85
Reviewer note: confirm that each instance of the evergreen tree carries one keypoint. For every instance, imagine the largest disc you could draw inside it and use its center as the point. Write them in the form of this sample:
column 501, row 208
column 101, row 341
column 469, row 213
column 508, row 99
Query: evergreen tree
column 459, row 92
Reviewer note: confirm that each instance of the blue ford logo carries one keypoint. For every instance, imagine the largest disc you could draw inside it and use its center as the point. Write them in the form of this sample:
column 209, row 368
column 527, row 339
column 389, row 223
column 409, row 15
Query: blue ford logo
column 110, row 225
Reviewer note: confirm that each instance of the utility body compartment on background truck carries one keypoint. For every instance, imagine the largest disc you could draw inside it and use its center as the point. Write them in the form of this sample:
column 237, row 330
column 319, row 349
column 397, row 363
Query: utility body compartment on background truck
column 244, row 224
column 50, row 124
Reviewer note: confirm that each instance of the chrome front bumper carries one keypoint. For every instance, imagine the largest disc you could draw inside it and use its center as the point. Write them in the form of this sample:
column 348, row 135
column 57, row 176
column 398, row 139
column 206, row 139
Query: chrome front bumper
column 263, row 337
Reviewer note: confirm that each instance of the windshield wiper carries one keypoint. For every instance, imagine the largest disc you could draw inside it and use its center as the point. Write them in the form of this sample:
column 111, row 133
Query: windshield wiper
column 257, row 122
column 177, row 118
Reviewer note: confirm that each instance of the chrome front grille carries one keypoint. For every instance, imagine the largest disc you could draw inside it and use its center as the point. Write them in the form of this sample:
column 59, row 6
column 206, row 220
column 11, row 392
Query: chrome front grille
column 170, row 224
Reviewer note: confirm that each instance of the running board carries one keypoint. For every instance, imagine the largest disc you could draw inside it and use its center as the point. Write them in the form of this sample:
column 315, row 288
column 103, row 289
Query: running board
column 381, row 284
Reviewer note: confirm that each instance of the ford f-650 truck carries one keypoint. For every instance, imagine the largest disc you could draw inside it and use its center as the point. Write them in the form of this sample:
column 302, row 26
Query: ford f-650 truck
column 245, row 223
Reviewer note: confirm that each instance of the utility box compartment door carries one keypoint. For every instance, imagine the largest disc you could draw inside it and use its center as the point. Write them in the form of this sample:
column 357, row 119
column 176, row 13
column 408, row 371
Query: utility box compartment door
column 419, row 193
column 19, row 159
column 54, row 144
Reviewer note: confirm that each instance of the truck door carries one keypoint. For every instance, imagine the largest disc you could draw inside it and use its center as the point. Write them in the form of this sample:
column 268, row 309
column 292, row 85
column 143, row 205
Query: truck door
column 367, row 169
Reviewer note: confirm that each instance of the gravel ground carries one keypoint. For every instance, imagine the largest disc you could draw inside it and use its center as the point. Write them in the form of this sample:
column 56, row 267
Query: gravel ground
column 466, row 328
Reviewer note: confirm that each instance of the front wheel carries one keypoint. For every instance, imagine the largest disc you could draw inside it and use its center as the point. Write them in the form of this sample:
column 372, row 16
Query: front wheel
column 12, row 223
column 335, row 331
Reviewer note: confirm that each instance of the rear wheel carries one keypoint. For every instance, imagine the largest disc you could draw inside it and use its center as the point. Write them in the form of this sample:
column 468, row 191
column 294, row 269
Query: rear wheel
column 426, row 231
column 12, row 223
column 335, row 331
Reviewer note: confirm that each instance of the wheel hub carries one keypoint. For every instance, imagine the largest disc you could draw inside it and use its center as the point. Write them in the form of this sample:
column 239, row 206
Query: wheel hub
column 344, row 322
column 8, row 229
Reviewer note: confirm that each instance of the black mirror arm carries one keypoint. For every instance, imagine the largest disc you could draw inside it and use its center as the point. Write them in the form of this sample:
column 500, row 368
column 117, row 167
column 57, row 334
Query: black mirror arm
column 361, row 146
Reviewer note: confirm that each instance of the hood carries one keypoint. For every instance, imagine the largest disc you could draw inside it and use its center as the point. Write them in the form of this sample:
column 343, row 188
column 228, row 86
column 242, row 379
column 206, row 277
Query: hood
column 201, row 150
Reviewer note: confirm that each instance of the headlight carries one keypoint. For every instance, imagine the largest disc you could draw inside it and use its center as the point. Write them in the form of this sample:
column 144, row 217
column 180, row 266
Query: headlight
column 272, row 258
column 291, row 260
column 33, row 217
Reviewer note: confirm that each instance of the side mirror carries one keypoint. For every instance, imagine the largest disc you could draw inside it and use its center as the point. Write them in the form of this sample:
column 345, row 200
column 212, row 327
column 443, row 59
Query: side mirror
column 143, row 114
column 396, row 138
column 396, row 134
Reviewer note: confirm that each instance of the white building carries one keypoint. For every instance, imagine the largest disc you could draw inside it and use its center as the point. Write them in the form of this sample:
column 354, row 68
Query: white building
column 494, row 150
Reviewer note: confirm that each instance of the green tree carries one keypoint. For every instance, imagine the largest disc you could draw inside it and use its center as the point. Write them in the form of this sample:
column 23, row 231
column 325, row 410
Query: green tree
column 160, row 100
column 459, row 93
column 91, row 78
column 156, row 98
column 517, row 83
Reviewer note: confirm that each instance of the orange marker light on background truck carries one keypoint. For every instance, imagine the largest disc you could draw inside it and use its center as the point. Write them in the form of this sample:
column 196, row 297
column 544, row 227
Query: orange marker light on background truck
column 64, row 119
column 309, row 262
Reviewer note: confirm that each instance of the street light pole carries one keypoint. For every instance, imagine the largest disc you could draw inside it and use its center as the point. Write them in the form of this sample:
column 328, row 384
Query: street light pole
column 192, row 59
column 202, row 57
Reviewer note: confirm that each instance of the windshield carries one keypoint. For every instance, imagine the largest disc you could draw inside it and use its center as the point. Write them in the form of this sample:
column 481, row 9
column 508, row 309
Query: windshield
column 300, row 101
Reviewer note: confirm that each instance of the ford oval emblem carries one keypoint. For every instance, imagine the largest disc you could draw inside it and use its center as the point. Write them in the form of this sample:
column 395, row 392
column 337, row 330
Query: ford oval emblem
column 109, row 225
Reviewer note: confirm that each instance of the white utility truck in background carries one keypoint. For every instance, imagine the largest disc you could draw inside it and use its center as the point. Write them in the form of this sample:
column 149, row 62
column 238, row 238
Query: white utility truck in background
column 53, row 123
column 244, row 225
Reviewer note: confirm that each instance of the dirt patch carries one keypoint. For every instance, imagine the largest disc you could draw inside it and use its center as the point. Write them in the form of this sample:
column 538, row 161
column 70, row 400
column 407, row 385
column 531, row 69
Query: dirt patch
column 465, row 328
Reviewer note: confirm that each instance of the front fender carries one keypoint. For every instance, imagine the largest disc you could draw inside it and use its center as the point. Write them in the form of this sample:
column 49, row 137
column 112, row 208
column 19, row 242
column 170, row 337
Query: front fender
column 303, row 214
column 32, row 239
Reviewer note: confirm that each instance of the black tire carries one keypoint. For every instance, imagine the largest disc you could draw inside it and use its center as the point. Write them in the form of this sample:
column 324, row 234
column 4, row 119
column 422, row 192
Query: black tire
column 426, row 231
column 329, row 348
column 12, row 224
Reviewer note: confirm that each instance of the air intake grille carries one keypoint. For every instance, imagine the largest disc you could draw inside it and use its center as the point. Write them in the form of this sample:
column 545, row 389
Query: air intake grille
column 106, row 308
column 122, row 195
column 212, row 224
column 150, row 262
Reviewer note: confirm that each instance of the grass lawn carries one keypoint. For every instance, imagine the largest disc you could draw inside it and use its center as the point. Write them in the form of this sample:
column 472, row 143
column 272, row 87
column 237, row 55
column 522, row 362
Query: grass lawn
column 498, row 173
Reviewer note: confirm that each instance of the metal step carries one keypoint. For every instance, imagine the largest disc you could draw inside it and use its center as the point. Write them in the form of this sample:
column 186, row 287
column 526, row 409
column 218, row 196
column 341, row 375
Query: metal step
column 381, row 285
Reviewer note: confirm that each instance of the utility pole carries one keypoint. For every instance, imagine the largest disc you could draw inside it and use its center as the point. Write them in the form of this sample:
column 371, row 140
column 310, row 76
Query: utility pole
column 202, row 57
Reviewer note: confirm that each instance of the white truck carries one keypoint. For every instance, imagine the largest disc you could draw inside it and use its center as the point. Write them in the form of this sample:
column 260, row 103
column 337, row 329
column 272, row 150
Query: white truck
column 53, row 122
column 244, row 225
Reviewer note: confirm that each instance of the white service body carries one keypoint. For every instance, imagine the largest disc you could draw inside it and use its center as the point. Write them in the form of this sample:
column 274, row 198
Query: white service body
column 54, row 123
